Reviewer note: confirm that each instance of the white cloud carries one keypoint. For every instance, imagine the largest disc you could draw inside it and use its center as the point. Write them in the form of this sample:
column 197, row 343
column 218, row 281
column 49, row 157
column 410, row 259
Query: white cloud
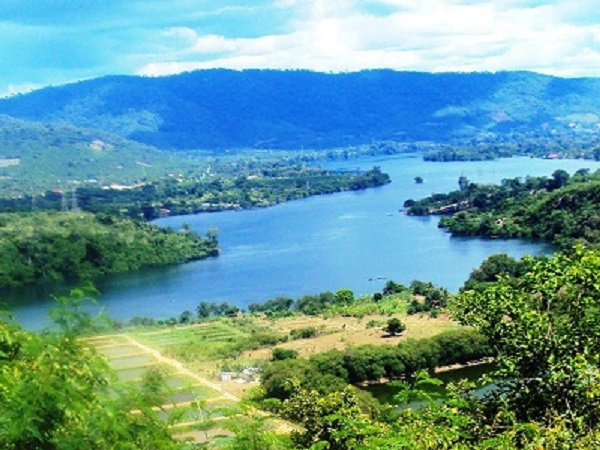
column 435, row 35
column 14, row 89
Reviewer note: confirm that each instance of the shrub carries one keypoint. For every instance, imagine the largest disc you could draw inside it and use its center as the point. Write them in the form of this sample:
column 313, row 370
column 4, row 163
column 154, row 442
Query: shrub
column 394, row 326
column 303, row 333
column 279, row 354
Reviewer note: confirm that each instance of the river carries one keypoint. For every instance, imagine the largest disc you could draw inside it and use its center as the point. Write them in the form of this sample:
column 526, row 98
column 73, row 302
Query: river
column 316, row 244
column 385, row 392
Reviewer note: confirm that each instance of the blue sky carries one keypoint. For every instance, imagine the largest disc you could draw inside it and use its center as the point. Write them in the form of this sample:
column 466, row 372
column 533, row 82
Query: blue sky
column 57, row 41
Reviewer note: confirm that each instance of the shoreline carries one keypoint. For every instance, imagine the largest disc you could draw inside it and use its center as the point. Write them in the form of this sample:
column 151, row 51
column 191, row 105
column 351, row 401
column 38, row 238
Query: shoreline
column 436, row 370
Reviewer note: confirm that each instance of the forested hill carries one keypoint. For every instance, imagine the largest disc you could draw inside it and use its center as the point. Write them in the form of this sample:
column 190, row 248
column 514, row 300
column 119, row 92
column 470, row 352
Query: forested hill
column 49, row 246
column 221, row 109
column 560, row 209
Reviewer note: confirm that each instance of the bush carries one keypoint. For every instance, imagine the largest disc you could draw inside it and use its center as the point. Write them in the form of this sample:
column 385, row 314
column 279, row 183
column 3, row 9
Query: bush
column 279, row 354
column 392, row 287
column 415, row 307
column 303, row 333
column 373, row 323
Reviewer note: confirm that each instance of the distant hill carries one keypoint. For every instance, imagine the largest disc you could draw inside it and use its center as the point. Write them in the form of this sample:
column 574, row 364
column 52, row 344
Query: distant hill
column 221, row 109
column 37, row 156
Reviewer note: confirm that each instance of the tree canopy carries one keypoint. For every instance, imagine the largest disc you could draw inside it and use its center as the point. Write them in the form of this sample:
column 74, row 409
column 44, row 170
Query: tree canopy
column 44, row 246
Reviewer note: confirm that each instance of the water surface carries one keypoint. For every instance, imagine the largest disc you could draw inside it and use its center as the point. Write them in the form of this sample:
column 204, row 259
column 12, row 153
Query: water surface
column 385, row 392
column 316, row 244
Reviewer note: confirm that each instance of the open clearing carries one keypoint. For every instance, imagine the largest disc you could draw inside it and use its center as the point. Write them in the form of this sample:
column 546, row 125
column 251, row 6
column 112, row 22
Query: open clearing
column 205, row 349
column 192, row 398
column 341, row 332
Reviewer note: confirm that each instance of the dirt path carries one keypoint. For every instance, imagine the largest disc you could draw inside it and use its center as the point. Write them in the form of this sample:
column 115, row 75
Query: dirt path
column 280, row 426
column 181, row 368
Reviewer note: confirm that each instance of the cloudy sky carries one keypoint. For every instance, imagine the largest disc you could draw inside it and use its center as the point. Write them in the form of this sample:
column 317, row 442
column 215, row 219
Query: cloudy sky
column 57, row 41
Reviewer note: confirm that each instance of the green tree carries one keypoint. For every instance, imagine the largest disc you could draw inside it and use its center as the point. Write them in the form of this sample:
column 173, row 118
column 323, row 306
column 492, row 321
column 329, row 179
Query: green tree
column 344, row 296
column 420, row 388
column 560, row 178
column 203, row 310
column 186, row 317
column 280, row 354
column 252, row 432
column 492, row 268
column 334, row 421
column 394, row 326
column 391, row 287
column 545, row 327
column 56, row 392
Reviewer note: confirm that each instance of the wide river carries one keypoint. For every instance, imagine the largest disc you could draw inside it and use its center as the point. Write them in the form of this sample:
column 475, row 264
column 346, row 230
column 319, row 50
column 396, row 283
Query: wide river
column 317, row 244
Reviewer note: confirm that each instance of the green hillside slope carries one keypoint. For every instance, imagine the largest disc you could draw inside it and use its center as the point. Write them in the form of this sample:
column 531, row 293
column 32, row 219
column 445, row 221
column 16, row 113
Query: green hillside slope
column 276, row 109
column 36, row 156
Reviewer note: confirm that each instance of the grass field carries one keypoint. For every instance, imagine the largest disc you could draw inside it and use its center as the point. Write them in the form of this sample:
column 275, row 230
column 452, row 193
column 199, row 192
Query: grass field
column 248, row 341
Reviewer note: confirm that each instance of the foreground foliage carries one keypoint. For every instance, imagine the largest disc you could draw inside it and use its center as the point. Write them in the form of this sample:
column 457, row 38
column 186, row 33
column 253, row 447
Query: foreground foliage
column 56, row 393
column 545, row 327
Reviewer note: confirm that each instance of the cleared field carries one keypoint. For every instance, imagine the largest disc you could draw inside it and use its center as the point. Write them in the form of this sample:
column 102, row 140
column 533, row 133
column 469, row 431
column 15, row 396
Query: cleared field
column 107, row 341
column 132, row 374
column 211, row 342
column 126, row 362
column 341, row 332
column 192, row 393
column 117, row 351
column 189, row 399
column 190, row 358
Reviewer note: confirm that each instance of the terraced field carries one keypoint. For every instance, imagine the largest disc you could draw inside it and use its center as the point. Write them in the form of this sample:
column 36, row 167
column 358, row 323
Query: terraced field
column 194, row 406
column 203, row 342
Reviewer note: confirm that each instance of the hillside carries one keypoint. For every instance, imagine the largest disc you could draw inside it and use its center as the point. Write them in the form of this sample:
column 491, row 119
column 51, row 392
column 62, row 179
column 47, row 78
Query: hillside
column 559, row 209
column 221, row 109
column 37, row 156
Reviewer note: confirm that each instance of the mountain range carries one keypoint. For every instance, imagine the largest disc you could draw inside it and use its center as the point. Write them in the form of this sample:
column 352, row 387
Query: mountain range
column 225, row 109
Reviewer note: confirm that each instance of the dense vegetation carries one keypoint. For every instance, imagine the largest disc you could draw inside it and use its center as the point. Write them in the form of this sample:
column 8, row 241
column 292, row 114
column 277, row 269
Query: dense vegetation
column 58, row 393
column 556, row 145
column 327, row 371
column 43, row 246
column 266, row 187
column 496, row 266
column 226, row 109
column 560, row 209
